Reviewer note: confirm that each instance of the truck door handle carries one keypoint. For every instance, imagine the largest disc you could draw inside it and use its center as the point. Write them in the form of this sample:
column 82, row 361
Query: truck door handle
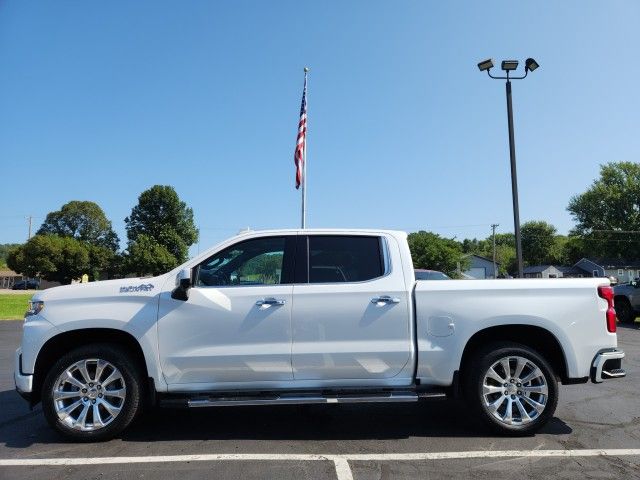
column 270, row 301
column 385, row 299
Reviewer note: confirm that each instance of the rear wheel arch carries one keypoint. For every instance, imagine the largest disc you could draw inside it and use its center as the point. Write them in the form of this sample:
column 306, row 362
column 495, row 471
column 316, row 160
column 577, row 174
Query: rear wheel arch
column 62, row 343
column 537, row 338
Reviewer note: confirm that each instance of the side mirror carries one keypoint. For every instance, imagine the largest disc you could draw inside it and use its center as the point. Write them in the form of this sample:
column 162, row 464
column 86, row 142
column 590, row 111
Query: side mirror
column 183, row 284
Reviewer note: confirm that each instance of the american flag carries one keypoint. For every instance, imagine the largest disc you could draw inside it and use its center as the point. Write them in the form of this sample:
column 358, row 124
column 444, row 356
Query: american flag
column 298, row 156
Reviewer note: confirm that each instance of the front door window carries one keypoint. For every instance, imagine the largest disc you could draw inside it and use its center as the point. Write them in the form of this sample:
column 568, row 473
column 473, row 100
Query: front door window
column 251, row 263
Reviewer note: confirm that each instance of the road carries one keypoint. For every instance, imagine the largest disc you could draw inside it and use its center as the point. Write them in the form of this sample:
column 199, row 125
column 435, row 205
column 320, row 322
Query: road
column 344, row 442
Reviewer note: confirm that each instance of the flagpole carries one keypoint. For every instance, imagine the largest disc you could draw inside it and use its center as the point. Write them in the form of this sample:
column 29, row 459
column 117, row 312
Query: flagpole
column 304, row 161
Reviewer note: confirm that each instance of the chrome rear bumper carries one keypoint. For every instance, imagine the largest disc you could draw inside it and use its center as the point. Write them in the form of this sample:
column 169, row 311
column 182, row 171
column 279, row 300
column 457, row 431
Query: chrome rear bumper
column 606, row 365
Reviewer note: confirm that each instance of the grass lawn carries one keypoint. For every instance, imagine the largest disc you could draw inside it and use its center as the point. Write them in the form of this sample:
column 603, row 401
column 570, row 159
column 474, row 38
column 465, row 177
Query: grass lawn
column 13, row 306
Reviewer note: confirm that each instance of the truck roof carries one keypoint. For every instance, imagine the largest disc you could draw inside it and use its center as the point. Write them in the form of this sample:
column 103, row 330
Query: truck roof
column 397, row 234
column 342, row 231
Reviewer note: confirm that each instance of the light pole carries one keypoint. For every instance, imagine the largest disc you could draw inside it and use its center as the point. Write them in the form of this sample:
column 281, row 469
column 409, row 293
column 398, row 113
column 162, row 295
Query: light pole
column 509, row 66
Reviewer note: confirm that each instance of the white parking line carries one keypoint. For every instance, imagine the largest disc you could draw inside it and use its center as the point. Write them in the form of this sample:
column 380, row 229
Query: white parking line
column 343, row 470
column 341, row 461
column 389, row 457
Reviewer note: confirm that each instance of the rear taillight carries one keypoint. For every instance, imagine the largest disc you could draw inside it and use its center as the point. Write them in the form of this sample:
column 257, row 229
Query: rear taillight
column 606, row 292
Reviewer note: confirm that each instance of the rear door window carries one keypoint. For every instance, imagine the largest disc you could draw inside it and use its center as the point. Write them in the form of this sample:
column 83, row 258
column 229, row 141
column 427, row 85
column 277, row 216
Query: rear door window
column 342, row 258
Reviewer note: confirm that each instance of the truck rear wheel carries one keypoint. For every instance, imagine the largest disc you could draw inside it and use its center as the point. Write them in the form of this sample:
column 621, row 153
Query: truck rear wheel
column 511, row 388
column 92, row 393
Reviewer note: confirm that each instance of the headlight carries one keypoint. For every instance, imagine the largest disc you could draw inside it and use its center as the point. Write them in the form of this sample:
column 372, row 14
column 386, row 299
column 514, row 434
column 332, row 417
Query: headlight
column 35, row 307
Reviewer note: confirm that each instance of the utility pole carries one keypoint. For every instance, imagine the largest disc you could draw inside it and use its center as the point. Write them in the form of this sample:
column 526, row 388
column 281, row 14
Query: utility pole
column 495, row 266
column 29, row 218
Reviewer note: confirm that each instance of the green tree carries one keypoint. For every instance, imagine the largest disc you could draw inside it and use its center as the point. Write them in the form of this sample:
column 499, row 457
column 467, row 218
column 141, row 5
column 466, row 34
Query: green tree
column 163, row 217
column 263, row 266
column 573, row 249
column 87, row 223
column 607, row 214
column 84, row 221
column 146, row 256
column 505, row 251
column 538, row 242
column 430, row 250
column 103, row 262
column 506, row 258
column 5, row 248
column 52, row 257
column 473, row 245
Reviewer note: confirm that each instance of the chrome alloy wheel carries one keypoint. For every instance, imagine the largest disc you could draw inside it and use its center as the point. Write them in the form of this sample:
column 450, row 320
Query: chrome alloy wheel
column 89, row 394
column 515, row 390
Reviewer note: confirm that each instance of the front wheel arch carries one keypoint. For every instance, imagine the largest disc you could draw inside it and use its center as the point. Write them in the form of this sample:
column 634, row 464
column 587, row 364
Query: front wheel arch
column 62, row 343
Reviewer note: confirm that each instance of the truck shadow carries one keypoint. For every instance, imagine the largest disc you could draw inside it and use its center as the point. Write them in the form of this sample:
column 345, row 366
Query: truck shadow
column 317, row 422
column 23, row 428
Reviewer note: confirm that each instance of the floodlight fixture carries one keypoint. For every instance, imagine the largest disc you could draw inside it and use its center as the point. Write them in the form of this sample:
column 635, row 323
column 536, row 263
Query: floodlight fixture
column 485, row 65
column 530, row 65
column 508, row 65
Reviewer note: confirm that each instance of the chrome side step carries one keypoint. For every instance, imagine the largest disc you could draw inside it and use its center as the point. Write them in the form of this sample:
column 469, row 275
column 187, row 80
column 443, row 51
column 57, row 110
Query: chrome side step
column 290, row 399
column 614, row 373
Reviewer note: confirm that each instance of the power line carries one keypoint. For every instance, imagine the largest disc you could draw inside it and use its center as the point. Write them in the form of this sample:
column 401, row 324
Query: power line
column 615, row 231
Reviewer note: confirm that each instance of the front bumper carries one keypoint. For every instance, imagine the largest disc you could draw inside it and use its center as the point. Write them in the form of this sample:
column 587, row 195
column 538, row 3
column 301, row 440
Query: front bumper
column 24, row 382
column 606, row 365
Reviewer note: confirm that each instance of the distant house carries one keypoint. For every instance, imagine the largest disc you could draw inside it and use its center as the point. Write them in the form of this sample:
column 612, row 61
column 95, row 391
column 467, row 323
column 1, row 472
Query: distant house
column 574, row 272
column 623, row 269
column 9, row 277
column 480, row 267
column 542, row 271
column 555, row 271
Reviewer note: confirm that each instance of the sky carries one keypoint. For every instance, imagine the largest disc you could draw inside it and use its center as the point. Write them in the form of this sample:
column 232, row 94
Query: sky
column 101, row 100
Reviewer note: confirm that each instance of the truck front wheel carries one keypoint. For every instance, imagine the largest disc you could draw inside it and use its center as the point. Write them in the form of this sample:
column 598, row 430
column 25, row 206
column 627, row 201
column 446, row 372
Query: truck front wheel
column 511, row 388
column 92, row 393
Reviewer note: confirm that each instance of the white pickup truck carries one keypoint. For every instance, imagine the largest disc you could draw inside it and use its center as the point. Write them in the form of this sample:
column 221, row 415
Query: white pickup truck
column 311, row 316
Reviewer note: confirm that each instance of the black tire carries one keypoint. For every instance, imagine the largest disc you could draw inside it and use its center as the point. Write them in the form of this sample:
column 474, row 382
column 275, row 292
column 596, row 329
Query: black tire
column 474, row 383
column 624, row 310
column 129, row 407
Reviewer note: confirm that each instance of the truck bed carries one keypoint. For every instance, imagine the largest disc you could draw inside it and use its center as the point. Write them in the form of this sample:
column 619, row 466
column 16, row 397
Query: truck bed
column 449, row 313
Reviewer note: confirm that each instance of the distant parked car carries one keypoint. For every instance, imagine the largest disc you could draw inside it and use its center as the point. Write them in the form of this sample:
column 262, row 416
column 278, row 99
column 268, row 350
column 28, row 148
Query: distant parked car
column 422, row 274
column 627, row 301
column 26, row 285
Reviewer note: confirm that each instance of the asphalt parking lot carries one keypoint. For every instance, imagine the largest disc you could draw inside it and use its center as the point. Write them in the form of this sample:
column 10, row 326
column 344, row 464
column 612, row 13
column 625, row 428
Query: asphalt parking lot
column 595, row 434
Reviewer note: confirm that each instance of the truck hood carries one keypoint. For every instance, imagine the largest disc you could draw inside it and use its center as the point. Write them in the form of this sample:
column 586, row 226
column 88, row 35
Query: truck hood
column 147, row 287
